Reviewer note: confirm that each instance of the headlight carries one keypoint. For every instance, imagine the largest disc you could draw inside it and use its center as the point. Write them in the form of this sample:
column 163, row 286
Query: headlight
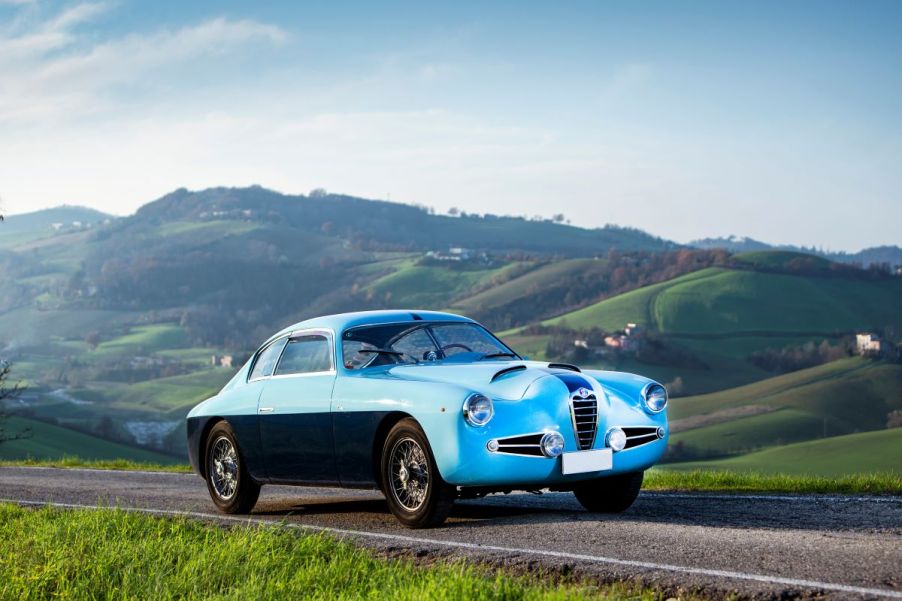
column 616, row 439
column 655, row 398
column 478, row 409
column 552, row 444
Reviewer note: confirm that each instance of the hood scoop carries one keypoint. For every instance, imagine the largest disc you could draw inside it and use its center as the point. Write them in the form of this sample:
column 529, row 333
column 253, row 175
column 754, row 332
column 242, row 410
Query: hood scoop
column 564, row 366
column 507, row 370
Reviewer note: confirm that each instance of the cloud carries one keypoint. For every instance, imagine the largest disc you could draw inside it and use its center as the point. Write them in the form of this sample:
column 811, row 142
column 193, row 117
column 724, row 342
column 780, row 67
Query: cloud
column 51, row 73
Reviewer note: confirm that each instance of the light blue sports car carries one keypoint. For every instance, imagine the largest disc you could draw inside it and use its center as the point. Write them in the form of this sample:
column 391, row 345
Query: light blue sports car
column 427, row 407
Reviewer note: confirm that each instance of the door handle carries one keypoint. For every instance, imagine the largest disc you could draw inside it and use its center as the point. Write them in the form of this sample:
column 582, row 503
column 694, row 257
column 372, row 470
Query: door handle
column 265, row 410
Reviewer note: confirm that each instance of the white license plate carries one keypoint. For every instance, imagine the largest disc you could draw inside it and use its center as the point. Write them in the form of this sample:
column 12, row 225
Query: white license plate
column 587, row 461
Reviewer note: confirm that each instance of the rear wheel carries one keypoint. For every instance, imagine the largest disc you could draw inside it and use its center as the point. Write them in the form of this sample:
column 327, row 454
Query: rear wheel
column 415, row 491
column 231, row 487
column 609, row 495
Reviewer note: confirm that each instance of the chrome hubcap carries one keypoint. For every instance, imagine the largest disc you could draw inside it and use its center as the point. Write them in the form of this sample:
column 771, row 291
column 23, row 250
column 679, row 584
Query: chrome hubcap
column 409, row 474
column 223, row 468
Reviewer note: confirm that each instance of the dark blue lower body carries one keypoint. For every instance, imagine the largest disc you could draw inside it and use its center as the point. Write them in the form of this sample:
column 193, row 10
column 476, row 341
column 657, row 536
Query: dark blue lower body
column 302, row 448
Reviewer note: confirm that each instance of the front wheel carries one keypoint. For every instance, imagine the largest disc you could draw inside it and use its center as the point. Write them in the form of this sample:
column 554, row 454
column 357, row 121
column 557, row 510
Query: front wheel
column 415, row 491
column 613, row 494
column 231, row 487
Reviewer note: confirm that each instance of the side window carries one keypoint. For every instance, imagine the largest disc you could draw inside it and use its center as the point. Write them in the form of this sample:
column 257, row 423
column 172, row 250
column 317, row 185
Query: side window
column 266, row 360
column 305, row 354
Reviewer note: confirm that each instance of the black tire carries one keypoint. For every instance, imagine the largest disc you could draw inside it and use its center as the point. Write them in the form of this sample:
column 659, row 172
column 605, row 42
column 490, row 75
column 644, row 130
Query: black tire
column 613, row 494
column 415, row 504
column 231, row 487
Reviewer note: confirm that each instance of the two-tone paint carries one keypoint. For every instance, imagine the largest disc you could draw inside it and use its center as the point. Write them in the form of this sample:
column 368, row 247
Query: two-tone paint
column 328, row 427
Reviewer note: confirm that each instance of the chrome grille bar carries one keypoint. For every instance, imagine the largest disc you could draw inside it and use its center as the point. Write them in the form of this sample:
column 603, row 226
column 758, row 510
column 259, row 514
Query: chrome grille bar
column 584, row 412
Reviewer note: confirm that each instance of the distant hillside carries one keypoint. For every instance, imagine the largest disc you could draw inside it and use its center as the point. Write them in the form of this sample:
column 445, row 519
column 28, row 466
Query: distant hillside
column 376, row 224
column 48, row 441
column 120, row 328
column 723, row 301
column 891, row 255
column 17, row 229
column 842, row 397
column 862, row 453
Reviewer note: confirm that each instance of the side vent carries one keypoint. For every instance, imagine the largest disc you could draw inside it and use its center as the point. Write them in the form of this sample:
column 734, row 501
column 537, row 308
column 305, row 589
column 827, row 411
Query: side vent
column 507, row 370
column 416, row 317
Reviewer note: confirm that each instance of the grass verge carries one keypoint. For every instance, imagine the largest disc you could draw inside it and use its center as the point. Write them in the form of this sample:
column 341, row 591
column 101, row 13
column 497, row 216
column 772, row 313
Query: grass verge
column 98, row 464
column 108, row 553
column 672, row 478
column 667, row 478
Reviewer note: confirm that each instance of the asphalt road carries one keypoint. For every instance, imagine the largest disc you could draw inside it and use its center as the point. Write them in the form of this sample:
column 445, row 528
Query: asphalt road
column 756, row 546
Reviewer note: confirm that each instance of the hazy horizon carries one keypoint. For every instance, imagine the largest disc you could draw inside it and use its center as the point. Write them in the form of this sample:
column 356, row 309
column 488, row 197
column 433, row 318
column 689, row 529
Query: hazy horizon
column 773, row 121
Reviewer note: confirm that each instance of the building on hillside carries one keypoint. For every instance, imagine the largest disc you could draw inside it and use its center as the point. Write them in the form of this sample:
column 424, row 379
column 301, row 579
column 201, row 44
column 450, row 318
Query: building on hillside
column 869, row 345
column 632, row 329
column 221, row 360
column 622, row 342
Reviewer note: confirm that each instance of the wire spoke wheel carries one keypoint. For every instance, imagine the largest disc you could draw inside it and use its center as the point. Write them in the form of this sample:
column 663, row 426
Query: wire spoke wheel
column 223, row 469
column 409, row 474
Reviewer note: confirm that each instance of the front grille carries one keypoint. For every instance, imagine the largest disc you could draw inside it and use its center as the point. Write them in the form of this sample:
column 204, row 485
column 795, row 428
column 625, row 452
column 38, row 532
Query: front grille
column 585, row 420
column 528, row 444
column 640, row 435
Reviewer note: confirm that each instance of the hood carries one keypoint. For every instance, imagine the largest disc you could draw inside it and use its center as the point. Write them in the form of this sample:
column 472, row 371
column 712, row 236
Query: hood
column 502, row 380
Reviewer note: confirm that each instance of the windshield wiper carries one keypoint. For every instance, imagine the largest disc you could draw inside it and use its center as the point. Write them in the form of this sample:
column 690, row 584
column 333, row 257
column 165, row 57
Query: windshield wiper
column 383, row 351
column 496, row 355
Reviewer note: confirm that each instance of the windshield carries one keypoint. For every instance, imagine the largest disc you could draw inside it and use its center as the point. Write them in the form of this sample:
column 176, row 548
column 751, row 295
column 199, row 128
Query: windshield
column 406, row 343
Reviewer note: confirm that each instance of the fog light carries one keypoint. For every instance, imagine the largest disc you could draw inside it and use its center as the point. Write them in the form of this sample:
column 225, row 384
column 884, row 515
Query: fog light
column 660, row 432
column 552, row 444
column 616, row 439
column 492, row 445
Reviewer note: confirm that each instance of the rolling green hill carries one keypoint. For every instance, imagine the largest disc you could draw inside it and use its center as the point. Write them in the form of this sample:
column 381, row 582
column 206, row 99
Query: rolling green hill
column 841, row 397
column 864, row 452
column 28, row 227
column 48, row 441
column 724, row 302
column 120, row 320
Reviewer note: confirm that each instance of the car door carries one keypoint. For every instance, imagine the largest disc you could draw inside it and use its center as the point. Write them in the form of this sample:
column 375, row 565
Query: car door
column 294, row 412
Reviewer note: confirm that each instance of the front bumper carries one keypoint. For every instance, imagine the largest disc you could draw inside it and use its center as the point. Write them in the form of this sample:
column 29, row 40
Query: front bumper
column 466, row 461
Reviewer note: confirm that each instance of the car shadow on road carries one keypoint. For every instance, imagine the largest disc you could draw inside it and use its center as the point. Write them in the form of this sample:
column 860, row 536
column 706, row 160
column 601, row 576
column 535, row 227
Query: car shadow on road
column 517, row 510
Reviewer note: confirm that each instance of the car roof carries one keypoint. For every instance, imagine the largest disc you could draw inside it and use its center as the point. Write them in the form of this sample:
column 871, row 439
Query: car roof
column 342, row 321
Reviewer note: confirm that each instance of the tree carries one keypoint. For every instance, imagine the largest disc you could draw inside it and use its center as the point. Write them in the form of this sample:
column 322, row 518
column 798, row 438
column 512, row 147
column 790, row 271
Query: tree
column 92, row 339
column 8, row 392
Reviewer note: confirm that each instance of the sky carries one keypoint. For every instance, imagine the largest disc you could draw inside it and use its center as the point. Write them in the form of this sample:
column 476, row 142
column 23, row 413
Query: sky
column 781, row 121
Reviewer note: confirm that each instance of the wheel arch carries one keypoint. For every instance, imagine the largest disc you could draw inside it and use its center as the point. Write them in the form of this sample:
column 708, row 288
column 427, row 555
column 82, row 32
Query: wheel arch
column 388, row 422
column 202, row 443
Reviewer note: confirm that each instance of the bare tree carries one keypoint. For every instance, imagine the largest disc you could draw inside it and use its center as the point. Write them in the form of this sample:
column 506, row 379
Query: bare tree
column 8, row 392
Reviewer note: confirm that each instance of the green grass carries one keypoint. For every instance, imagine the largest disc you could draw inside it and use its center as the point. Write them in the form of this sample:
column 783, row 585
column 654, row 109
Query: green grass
column 778, row 427
column 837, row 456
column 427, row 286
column 719, row 301
column 49, row 441
column 145, row 340
column 166, row 394
column 114, row 554
column 70, row 461
column 29, row 326
column 837, row 398
column 207, row 228
column 522, row 287
column 695, row 477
